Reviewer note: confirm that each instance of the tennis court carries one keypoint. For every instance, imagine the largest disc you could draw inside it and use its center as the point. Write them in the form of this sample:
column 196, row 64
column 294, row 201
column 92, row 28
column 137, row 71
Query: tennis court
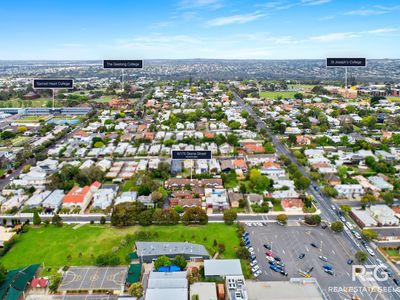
column 93, row 278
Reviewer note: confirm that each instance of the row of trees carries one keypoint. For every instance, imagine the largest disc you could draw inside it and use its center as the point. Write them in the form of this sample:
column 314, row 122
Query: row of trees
column 127, row 214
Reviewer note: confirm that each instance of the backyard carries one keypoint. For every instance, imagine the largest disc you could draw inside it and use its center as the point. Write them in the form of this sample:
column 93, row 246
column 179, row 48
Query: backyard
column 55, row 247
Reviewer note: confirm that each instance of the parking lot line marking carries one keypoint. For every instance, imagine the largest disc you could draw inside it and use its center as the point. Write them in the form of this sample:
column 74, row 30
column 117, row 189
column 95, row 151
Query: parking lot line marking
column 333, row 252
column 307, row 249
column 283, row 251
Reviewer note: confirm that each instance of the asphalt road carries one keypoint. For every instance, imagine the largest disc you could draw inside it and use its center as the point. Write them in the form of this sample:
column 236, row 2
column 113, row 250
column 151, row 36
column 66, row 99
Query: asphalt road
column 325, row 203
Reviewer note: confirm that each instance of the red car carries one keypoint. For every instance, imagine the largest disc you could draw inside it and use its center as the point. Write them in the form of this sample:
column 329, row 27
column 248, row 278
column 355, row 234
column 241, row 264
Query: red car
column 269, row 253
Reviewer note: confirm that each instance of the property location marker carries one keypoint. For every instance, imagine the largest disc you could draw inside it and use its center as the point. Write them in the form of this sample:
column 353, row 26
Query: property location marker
column 53, row 84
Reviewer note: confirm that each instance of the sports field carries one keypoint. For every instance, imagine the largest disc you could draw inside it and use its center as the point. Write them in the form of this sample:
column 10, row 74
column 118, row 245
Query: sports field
column 275, row 95
column 79, row 247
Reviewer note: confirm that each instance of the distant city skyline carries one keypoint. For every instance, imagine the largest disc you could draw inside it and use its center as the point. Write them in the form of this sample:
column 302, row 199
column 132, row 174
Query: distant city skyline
column 182, row 29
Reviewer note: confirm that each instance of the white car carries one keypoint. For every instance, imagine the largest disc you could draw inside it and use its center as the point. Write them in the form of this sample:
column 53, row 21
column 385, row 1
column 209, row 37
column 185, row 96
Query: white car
column 357, row 235
column 253, row 263
column 270, row 258
column 259, row 224
column 255, row 268
column 370, row 251
column 349, row 226
column 248, row 224
column 257, row 273
column 251, row 249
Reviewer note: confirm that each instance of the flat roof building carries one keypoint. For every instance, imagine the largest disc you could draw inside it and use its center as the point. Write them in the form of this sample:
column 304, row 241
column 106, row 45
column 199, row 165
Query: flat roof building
column 167, row 285
column 283, row 290
column 222, row 267
column 149, row 251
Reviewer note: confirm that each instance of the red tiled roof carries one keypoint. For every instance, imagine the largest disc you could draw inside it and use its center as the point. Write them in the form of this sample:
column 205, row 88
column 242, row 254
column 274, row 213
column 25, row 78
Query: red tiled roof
column 39, row 282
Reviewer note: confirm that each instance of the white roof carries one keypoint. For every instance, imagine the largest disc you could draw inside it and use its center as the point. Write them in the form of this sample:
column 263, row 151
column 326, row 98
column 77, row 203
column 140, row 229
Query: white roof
column 222, row 267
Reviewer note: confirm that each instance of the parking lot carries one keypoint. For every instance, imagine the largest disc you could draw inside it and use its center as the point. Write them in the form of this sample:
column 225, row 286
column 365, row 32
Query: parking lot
column 288, row 242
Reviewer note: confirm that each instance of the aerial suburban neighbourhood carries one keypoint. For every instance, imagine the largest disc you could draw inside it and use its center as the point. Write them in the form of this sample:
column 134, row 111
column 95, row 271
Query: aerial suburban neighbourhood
column 268, row 168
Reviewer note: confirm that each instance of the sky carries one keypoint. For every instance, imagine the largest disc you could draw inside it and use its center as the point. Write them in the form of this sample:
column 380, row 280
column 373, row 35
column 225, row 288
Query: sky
column 221, row 29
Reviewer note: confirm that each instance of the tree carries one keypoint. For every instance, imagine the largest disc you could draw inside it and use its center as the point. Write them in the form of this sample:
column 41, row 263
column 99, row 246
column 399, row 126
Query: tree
column 259, row 183
column 367, row 198
column 99, row 145
column 330, row 191
column 26, row 168
column 298, row 96
column 108, row 259
column 22, row 129
column 178, row 209
column 195, row 215
column 361, row 256
column 146, row 217
column 126, row 214
column 242, row 253
column 229, row 216
column 345, row 208
column 56, row 220
column 3, row 273
column 369, row 121
column 156, row 196
column 302, row 182
column 102, row 220
column 136, row 290
column 36, row 218
column 312, row 219
column 282, row 218
column 162, row 261
column 234, row 125
column 337, row 226
column 388, row 197
column 179, row 261
column 369, row 234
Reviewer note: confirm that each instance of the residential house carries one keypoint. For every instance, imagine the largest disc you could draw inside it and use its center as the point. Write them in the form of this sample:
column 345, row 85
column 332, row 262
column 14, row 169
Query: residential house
column 80, row 196
column 292, row 205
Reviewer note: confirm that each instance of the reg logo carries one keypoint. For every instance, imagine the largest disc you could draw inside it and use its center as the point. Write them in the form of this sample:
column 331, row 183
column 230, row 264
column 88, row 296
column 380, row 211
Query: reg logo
column 368, row 273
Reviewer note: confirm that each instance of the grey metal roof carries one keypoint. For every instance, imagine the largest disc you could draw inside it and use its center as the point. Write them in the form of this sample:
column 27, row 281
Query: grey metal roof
column 222, row 267
column 169, row 248
column 167, row 280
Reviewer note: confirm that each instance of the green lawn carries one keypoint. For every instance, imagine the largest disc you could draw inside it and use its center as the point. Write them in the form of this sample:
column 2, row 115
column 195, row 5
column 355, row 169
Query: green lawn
column 57, row 247
column 128, row 186
column 394, row 99
column 275, row 95
column 18, row 141
column 40, row 102
column 104, row 99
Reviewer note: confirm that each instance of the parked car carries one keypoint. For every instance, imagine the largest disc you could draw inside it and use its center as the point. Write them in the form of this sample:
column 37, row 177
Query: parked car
column 301, row 256
column 350, row 261
column 327, row 267
column 277, row 258
column 270, row 258
column 330, row 272
column 257, row 273
column 313, row 245
column 396, row 281
column 323, row 258
column 253, row 263
column 283, row 272
column 274, row 268
column 269, row 253
column 266, row 246
column 255, row 268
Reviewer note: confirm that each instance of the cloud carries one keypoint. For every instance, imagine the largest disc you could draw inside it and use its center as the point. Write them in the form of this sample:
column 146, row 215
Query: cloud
column 338, row 36
column 200, row 4
column 314, row 2
column 365, row 12
column 234, row 19
column 373, row 11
